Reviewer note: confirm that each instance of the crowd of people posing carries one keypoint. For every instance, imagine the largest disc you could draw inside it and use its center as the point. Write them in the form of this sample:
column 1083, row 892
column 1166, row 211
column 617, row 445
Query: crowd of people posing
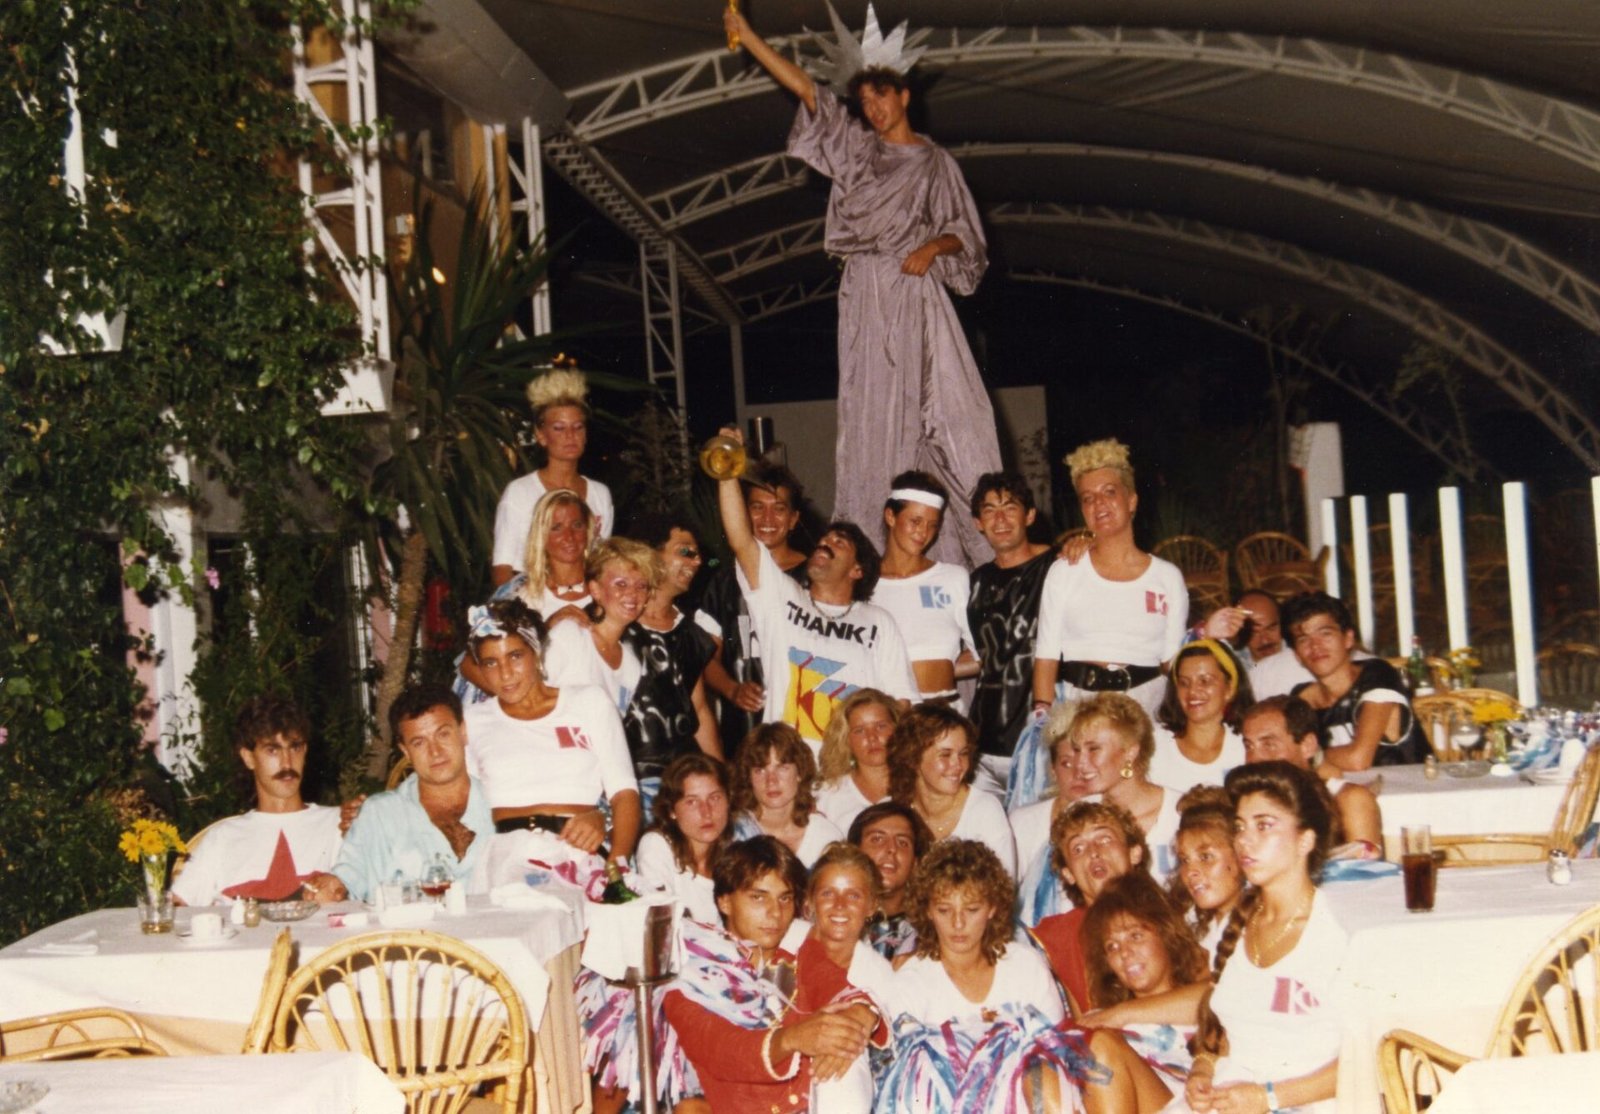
column 1040, row 894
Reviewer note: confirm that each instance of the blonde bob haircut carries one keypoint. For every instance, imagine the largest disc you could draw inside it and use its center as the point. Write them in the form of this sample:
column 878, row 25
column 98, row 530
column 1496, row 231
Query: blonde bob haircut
column 1124, row 716
column 1109, row 453
column 558, row 387
column 621, row 551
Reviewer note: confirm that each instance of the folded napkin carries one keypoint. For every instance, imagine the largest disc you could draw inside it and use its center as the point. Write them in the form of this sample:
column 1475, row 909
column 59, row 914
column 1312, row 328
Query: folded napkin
column 85, row 943
column 519, row 895
column 281, row 882
column 1539, row 749
column 1357, row 870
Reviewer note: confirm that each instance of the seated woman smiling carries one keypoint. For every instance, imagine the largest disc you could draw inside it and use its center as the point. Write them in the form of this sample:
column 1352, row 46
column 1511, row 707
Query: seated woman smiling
column 544, row 755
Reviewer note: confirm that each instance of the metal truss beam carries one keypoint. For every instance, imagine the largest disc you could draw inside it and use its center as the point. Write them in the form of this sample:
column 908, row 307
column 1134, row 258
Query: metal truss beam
column 686, row 84
column 527, row 198
column 663, row 324
column 1399, row 303
column 591, row 175
column 770, row 248
column 1415, row 423
column 727, row 188
column 1554, row 282
column 352, row 81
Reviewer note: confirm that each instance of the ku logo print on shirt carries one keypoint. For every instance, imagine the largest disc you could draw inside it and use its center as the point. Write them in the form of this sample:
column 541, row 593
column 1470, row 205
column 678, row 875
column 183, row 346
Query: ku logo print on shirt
column 935, row 598
column 1155, row 603
column 571, row 737
column 1292, row 997
column 813, row 696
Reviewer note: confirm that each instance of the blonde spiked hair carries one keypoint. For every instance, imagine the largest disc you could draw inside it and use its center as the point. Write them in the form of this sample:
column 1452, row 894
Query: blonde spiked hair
column 1109, row 453
column 558, row 387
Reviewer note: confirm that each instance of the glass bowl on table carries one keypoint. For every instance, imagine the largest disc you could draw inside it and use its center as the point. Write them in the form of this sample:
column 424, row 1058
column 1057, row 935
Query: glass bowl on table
column 293, row 909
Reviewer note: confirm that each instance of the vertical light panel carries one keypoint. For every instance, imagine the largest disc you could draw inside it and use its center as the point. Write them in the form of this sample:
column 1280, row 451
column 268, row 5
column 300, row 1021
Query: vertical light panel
column 1519, row 568
column 1455, row 568
column 1361, row 547
column 1330, row 539
column 1594, row 498
column 1400, row 543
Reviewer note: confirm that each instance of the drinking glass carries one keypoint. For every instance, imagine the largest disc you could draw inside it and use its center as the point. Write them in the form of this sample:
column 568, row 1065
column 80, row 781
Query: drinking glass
column 1416, row 862
column 437, row 879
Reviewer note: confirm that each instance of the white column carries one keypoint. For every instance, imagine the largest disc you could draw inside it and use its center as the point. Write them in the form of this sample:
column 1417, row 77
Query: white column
column 1330, row 538
column 1594, row 496
column 1519, row 570
column 1361, row 546
column 533, row 201
column 1455, row 568
column 175, row 629
column 1400, row 542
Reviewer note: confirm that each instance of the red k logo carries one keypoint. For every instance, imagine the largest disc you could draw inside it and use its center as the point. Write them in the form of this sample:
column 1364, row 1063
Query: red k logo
column 572, row 737
column 1155, row 603
column 1291, row 997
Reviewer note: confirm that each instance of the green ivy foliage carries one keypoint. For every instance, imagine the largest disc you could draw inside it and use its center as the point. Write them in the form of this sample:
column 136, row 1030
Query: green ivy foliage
column 191, row 221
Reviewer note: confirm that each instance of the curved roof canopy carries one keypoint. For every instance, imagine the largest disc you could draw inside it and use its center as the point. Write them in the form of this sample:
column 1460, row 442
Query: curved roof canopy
column 1421, row 172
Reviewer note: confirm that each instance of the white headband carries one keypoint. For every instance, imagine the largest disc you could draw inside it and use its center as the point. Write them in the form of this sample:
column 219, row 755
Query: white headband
column 917, row 495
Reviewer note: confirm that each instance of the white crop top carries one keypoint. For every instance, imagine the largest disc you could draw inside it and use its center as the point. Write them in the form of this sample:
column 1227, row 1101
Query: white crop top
column 571, row 658
column 572, row 755
column 1085, row 617
column 930, row 609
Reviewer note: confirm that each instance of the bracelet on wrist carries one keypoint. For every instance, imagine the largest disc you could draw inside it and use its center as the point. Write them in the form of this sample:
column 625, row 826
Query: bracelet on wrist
column 1272, row 1099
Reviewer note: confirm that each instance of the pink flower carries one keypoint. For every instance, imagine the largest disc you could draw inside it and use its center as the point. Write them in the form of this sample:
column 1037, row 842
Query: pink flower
column 214, row 579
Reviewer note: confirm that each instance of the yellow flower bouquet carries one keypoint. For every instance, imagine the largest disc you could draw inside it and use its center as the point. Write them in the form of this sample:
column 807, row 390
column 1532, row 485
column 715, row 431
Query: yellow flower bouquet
column 151, row 843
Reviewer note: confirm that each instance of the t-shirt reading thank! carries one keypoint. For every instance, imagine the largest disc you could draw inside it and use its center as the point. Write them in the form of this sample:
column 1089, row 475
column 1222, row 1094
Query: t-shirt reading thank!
column 814, row 655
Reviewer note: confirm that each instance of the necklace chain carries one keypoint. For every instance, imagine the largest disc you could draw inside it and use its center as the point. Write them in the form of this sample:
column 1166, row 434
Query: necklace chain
column 1258, row 951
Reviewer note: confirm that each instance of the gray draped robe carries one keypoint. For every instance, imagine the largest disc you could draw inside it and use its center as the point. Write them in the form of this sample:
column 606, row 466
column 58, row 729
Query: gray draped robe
column 909, row 392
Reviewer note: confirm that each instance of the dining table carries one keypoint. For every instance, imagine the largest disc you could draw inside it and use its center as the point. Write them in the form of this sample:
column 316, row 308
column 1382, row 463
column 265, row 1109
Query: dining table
column 1445, row 974
column 195, row 997
column 1522, row 1085
column 321, row 1083
column 1451, row 804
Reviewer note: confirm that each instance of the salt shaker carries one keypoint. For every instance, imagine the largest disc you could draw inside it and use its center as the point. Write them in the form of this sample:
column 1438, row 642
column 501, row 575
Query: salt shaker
column 252, row 912
column 1559, row 868
column 1430, row 767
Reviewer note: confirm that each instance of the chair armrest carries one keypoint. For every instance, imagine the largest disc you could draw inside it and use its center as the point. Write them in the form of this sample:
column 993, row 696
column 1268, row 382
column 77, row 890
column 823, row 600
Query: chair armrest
column 1491, row 849
column 1406, row 1060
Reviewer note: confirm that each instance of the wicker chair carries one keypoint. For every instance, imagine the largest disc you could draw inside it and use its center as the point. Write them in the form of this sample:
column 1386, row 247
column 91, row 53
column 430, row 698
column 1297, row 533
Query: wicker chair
column 1204, row 567
column 1574, row 626
column 88, row 1034
column 1569, row 674
column 437, row 1016
column 1278, row 563
column 1554, row 1008
column 279, row 964
column 1572, row 819
column 401, row 771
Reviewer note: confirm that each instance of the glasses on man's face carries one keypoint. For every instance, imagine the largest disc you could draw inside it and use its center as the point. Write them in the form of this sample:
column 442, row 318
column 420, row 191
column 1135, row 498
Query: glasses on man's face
column 277, row 751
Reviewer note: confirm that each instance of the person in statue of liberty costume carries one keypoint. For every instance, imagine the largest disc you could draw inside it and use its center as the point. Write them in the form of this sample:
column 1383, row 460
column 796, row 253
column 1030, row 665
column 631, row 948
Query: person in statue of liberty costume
column 903, row 222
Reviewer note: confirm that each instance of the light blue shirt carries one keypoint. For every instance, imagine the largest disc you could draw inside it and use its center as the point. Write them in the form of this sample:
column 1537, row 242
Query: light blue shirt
column 393, row 833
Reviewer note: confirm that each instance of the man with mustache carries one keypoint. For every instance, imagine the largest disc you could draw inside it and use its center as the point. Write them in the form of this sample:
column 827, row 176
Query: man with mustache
column 822, row 642
column 271, row 735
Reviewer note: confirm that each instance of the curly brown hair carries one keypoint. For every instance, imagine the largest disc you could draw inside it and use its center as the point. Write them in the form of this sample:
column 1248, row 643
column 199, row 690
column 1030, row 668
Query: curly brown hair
column 1137, row 896
column 1082, row 815
column 837, row 759
column 780, row 741
column 1204, row 811
column 955, row 866
column 919, row 729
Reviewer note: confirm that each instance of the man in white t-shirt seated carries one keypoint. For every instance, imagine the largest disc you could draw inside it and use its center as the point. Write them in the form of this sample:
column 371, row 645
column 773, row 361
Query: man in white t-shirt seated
column 1274, row 669
column 439, row 813
column 282, row 841
column 818, row 643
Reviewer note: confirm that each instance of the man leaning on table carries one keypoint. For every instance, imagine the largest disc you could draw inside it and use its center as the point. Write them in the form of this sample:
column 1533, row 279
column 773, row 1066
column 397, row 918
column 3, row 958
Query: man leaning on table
column 282, row 836
column 439, row 812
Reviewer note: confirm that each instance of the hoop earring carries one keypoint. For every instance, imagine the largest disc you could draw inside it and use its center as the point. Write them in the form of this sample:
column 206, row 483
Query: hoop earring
column 1126, row 771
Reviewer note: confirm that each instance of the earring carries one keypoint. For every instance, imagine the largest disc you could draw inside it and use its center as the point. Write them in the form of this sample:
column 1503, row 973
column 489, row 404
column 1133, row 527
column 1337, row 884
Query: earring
column 1126, row 771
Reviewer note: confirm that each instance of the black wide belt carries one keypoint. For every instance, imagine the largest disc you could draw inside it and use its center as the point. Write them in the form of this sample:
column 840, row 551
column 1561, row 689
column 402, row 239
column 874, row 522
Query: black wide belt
column 539, row 821
column 1093, row 677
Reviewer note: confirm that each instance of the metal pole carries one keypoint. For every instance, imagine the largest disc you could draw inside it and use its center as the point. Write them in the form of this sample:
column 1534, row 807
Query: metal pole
column 644, row 1016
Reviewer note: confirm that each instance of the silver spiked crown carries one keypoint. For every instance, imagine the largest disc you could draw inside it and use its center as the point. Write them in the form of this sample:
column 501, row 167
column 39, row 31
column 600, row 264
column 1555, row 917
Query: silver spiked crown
column 844, row 56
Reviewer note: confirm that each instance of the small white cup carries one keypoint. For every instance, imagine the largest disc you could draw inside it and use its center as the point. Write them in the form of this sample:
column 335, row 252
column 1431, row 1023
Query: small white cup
column 205, row 926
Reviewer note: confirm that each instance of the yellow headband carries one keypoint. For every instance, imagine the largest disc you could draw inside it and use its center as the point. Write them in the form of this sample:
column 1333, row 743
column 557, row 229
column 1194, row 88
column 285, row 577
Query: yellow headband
column 1224, row 659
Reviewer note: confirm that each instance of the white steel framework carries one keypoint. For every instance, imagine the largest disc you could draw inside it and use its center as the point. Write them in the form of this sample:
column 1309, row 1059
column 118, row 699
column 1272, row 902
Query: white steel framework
column 732, row 186
column 527, row 198
column 1399, row 303
column 352, row 80
column 1415, row 423
column 663, row 322
column 1568, row 130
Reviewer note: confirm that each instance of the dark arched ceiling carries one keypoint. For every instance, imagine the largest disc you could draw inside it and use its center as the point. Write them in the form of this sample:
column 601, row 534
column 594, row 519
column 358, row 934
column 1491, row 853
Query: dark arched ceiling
column 1428, row 170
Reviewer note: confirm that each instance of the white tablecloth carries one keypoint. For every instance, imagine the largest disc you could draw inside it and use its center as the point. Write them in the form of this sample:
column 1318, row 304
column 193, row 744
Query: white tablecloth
column 168, row 977
column 1523, row 1085
column 316, row 1083
column 1444, row 974
column 1460, row 806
